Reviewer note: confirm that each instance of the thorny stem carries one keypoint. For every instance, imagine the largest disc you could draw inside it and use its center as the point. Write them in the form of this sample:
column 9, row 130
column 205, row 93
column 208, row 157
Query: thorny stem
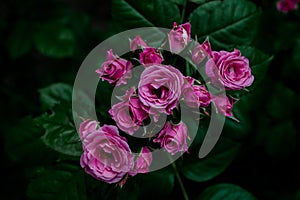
column 180, row 181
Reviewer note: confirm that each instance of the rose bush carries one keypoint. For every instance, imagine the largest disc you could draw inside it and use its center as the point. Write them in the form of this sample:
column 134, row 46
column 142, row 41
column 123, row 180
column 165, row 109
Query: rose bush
column 227, row 34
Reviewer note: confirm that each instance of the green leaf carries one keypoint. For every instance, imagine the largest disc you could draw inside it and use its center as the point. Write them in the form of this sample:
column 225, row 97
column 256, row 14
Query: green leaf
column 55, row 40
column 168, row 13
column 58, row 184
column 123, row 11
column 225, row 191
column 60, row 134
column 227, row 23
column 259, row 63
column 133, row 14
column 54, row 94
column 213, row 164
column 20, row 41
column 129, row 191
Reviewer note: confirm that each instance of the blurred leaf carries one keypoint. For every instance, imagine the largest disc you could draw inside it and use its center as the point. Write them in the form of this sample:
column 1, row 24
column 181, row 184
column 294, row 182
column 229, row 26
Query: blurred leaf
column 24, row 140
column 227, row 23
column 179, row 2
column 20, row 40
column 200, row 1
column 54, row 94
column 78, row 21
column 55, row 40
column 133, row 14
column 58, row 184
column 225, row 191
column 258, row 61
column 213, row 164
column 277, row 97
column 296, row 54
column 281, row 140
column 60, row 134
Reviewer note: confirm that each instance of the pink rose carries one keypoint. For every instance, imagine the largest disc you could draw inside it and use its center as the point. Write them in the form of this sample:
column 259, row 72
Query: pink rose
column 179, row 37
column 195, row 95
column 173, row 138
column 137, row 42
column 128, row 114
column 137, row 110
column 201, row 51
column 160, row 87
column 224, row 105
column 115, row 69
column 86, row 127
column 230, row 68
column 286, row 6
column 106, row 155
column 150, row 55
column 143, row 162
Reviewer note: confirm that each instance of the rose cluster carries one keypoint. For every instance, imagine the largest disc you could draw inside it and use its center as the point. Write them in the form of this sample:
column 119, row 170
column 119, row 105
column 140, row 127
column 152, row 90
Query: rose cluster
column 160, row 91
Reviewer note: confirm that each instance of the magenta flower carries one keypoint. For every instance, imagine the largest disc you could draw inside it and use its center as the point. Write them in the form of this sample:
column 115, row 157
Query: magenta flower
column 150, row 56
column 201, row 51
column 179, row 37
column 106, row 155
column 128, row 114
column 115, row 70
column 224, row 105
column 173, row 138
column 230, row 68
column 195, row 95
column 86, row 127
column 143, row 162
column 286, row 6
column 137, row 42
column 160, row 87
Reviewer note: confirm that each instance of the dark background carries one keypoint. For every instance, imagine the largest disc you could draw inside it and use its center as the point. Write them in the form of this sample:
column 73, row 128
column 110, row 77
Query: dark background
column 268, row 163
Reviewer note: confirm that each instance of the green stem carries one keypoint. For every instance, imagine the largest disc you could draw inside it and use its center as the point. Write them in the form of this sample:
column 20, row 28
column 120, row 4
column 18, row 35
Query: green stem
column 183, row 10
column 180, row 181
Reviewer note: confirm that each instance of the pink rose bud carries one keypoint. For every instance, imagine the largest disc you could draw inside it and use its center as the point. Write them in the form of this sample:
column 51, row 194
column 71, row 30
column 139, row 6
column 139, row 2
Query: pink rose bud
column 179, row 37
column 150, row 55
column 143, row 162
column 230, row 69
column 137, row 42
column 115, row 70
column 196, row 96
column 128, row 114
column 107, row 156
column 86, row 127
column 160, row 87
column 173, row 138
column 201, row 51
column 286, row 6
column 224, row 105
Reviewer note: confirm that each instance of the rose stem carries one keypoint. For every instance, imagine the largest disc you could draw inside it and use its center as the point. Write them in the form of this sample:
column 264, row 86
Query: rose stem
column 183, row 11
column 180, row 181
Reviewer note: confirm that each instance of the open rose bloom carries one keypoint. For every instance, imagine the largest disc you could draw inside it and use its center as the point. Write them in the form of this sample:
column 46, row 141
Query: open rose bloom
column 163, row 90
